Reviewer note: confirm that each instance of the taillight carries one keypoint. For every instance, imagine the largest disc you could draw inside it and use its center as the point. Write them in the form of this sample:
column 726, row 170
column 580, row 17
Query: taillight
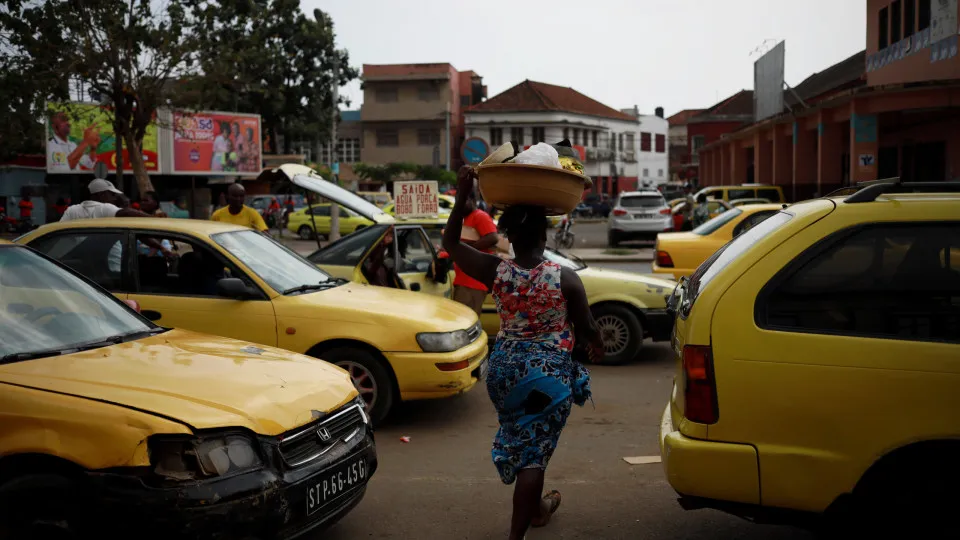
column 664, row 260
column 700, row 388
column 619, row 212
column 665, row 212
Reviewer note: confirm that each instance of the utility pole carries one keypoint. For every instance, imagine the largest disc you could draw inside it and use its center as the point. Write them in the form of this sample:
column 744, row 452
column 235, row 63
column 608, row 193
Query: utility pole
column 334, row 207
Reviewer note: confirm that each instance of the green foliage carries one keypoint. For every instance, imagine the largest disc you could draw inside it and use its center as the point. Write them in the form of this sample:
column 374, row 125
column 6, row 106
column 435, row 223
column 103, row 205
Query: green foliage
column 403, row 171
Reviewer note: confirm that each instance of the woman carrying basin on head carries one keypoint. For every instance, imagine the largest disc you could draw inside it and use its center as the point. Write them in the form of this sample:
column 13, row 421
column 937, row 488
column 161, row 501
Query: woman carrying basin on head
column 533, row 380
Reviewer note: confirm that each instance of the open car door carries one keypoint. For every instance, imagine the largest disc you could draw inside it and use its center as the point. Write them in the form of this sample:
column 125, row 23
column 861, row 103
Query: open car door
column 417, row 262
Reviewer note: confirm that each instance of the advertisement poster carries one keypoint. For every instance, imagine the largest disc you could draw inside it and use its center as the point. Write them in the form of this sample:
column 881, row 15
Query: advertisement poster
column 216, row 143
column 81, row 134
column 416, row 199
column 943, row 19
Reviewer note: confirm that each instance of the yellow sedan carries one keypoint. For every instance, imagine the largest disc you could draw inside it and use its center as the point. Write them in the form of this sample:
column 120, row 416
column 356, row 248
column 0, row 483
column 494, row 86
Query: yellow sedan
column 235, row 282
column 302, row 223
column 678, row 254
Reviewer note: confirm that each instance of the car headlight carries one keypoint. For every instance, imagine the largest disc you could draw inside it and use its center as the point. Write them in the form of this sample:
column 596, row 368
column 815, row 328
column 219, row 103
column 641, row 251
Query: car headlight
column 207, row 456
column 442, row 342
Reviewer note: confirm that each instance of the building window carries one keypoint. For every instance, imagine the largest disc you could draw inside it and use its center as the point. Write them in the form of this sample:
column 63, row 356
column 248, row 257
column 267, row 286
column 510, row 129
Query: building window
column 566, row 133
column 620, row 141
column 576, row 136
column 464, row 101
column 612, row 141
column 496, row 137
column 388, row 137
column 429, row 93
column 923, row 15
column 631, row 141
column 699, row 141
column 645, row 145
column 538, row 135
column 646, row 173
column 428, row 137
column 387, row 95
column 661, row 143
column 594, row 139
column 884, row 28
column 516, row 135
column 909, row 17
column 896, row 20
column 348, row 150
column 660, row 173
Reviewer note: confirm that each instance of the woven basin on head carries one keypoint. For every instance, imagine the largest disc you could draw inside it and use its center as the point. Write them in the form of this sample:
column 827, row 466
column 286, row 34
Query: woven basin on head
column 507, row 184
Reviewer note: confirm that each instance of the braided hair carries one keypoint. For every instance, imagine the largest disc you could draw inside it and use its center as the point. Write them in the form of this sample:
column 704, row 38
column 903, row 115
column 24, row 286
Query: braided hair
column 525, row 226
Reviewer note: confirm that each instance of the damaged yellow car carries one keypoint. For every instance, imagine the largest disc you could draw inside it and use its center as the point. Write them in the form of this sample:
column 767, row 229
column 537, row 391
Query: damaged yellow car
column 115, row 426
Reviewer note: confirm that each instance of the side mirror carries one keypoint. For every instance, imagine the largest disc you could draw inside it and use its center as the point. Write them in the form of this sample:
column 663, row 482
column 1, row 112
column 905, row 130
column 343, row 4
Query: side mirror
column 233, row 288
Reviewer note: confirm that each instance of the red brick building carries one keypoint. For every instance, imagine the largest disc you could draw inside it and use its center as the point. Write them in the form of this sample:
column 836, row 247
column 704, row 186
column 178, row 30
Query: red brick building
column 891, row 110
column 681, row 159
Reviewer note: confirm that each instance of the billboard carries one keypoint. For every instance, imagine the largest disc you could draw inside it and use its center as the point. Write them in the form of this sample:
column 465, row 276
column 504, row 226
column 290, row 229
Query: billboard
column 79, row 135
column 216, row 143
column 768, row 83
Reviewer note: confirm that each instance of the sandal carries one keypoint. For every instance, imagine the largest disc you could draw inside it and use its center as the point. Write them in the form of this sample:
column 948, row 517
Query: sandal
column 553, row 499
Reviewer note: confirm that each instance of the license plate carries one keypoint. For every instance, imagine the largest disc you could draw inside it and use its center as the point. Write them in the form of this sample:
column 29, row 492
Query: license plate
column 336, row 481
column 644, row 216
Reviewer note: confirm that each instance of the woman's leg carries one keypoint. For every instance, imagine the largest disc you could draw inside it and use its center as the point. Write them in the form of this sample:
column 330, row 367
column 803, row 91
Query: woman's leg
column 526, row 501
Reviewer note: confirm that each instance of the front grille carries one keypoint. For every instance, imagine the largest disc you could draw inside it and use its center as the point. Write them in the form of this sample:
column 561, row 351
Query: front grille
column 314, row 441
column 474, row 332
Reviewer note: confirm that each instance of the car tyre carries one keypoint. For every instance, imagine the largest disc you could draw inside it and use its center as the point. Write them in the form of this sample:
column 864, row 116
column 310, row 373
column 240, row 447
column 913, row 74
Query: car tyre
column 613, row 239
column 622, row 333
column 370, row 377
column 41, row 505
column 305, row 232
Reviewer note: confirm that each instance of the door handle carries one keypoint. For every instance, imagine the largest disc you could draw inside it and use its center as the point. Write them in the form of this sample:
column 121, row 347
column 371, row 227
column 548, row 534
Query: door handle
column 151, row 315
column 415, row 287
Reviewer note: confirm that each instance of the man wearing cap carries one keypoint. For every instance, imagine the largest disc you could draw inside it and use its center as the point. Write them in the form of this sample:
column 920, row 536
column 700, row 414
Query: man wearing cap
column 65, row 155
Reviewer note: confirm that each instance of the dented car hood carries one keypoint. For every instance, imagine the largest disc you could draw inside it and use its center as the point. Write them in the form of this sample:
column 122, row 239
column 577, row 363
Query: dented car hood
column 200, row 380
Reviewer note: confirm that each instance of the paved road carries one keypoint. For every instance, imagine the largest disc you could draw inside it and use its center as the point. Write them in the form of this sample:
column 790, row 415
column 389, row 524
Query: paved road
column 594, row 235
column 442, row 484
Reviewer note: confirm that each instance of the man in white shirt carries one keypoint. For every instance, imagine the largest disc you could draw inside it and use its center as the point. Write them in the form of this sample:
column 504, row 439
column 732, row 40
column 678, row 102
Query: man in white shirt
column 103, row 196
column 64, row 155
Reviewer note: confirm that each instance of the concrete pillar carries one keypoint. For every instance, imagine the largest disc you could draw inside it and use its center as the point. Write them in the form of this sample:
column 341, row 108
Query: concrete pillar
column 762, row 158
column 804, row 162
column 782, row 159
column 829, row 153
column 724, row 152
column 738, row 164
column 864, row 145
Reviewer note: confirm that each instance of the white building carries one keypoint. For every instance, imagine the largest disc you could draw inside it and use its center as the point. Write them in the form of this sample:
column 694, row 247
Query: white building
column 622, row 150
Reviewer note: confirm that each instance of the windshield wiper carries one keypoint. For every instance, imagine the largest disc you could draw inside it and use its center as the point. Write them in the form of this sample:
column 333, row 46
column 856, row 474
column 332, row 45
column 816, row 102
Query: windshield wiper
column 19, row 357
column 78, row 347
column 332, row 282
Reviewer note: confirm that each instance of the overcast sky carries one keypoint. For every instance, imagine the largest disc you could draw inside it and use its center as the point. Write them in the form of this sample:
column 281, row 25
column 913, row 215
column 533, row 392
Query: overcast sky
column 678, row 54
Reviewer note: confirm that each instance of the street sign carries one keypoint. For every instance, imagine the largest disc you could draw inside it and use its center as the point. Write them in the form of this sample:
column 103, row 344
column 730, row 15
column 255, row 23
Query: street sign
column 100, row 170
column 473, row 150
column 416, row 199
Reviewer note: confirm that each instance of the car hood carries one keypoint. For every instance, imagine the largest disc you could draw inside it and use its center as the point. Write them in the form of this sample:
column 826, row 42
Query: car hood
column 384, row 310
column 197, row 379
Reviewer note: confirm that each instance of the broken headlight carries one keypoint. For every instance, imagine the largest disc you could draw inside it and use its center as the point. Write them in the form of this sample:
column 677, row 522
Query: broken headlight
column 206, row 456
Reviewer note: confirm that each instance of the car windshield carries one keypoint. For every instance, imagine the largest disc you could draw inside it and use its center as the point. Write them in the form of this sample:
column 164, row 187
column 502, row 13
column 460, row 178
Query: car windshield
column 562, row 260
column 46, row 309
column 642, row 201
column 717, row 222
column 281, row 268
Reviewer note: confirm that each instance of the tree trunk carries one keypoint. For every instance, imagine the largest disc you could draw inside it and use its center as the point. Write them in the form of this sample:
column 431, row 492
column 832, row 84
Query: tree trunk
column 136, row 163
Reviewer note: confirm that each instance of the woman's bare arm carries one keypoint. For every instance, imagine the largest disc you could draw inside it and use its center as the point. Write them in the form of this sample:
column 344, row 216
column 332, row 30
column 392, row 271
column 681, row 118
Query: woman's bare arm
column 477, row 264
column 578, row 311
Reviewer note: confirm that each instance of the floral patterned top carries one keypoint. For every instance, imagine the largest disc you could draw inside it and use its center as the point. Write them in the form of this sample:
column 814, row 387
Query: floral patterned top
column 531, row 305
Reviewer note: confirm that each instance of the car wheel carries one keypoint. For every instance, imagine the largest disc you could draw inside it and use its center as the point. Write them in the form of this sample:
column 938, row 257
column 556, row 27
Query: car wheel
column 40, row 505
column 622, row 333
column 305, row 233
column 613, row 239
column 370, row 377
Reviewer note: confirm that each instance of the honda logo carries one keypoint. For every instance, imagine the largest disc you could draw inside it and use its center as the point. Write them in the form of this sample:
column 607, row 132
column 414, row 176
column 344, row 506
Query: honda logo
column 324, row 434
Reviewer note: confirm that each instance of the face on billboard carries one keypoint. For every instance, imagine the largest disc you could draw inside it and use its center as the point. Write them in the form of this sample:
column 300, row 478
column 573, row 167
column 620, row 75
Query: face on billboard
column 215, row 143
column 80, row 135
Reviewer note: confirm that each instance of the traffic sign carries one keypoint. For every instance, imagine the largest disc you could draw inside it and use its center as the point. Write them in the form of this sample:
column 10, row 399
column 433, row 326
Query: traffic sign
column 473, row 150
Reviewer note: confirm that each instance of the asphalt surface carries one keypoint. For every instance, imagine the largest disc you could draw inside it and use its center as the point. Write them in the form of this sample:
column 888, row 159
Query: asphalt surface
column 594, row 235
column 442, row 484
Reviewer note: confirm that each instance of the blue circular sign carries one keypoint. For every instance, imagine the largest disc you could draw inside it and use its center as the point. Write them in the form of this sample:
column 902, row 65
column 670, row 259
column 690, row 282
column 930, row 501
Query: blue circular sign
column 473, row 150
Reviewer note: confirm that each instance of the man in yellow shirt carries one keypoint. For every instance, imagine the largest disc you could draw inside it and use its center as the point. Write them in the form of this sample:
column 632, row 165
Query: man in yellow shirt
column 238, row 213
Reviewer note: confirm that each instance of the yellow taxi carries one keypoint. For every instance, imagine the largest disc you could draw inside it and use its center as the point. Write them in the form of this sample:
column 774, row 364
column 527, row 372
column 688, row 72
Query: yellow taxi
column 678, row 254
column 628, row 307
column 379, row 198
column 112, row 423
column 235, row 282
column 818, row 363
column 303, row 221
column 742, row 191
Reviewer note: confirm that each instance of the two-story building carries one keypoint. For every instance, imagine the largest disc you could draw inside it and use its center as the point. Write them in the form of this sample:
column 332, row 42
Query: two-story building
column 682, row 164
column 414, row 112
column 890, row 110
column 622, row 150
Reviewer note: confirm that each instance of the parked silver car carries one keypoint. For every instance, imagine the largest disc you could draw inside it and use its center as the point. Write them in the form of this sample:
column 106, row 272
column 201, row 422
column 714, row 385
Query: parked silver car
column 638, row 215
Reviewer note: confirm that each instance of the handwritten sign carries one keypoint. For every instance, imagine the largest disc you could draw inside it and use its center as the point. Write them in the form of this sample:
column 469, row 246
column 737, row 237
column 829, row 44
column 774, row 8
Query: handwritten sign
column 416, row 199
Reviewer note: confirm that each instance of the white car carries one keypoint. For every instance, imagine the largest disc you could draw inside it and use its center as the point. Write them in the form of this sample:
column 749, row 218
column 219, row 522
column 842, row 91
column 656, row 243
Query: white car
column 638, row 215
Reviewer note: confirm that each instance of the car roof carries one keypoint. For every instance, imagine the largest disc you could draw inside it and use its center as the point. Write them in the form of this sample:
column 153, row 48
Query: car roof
column 641, row 193
column 753, row 208
column 185, row 226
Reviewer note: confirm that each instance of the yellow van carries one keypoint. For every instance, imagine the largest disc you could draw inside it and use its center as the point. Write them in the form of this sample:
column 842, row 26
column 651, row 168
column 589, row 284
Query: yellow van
column 773, row 194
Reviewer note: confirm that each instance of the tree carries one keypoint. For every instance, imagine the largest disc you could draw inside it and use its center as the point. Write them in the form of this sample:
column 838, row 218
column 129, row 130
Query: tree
column 128, row 53
column 267, row 57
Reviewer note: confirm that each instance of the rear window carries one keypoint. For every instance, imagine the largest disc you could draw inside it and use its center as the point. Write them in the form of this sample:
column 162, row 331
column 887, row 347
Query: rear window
column 769, row 194
column 643, row 201
column 729, row 253
column 718, row 222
